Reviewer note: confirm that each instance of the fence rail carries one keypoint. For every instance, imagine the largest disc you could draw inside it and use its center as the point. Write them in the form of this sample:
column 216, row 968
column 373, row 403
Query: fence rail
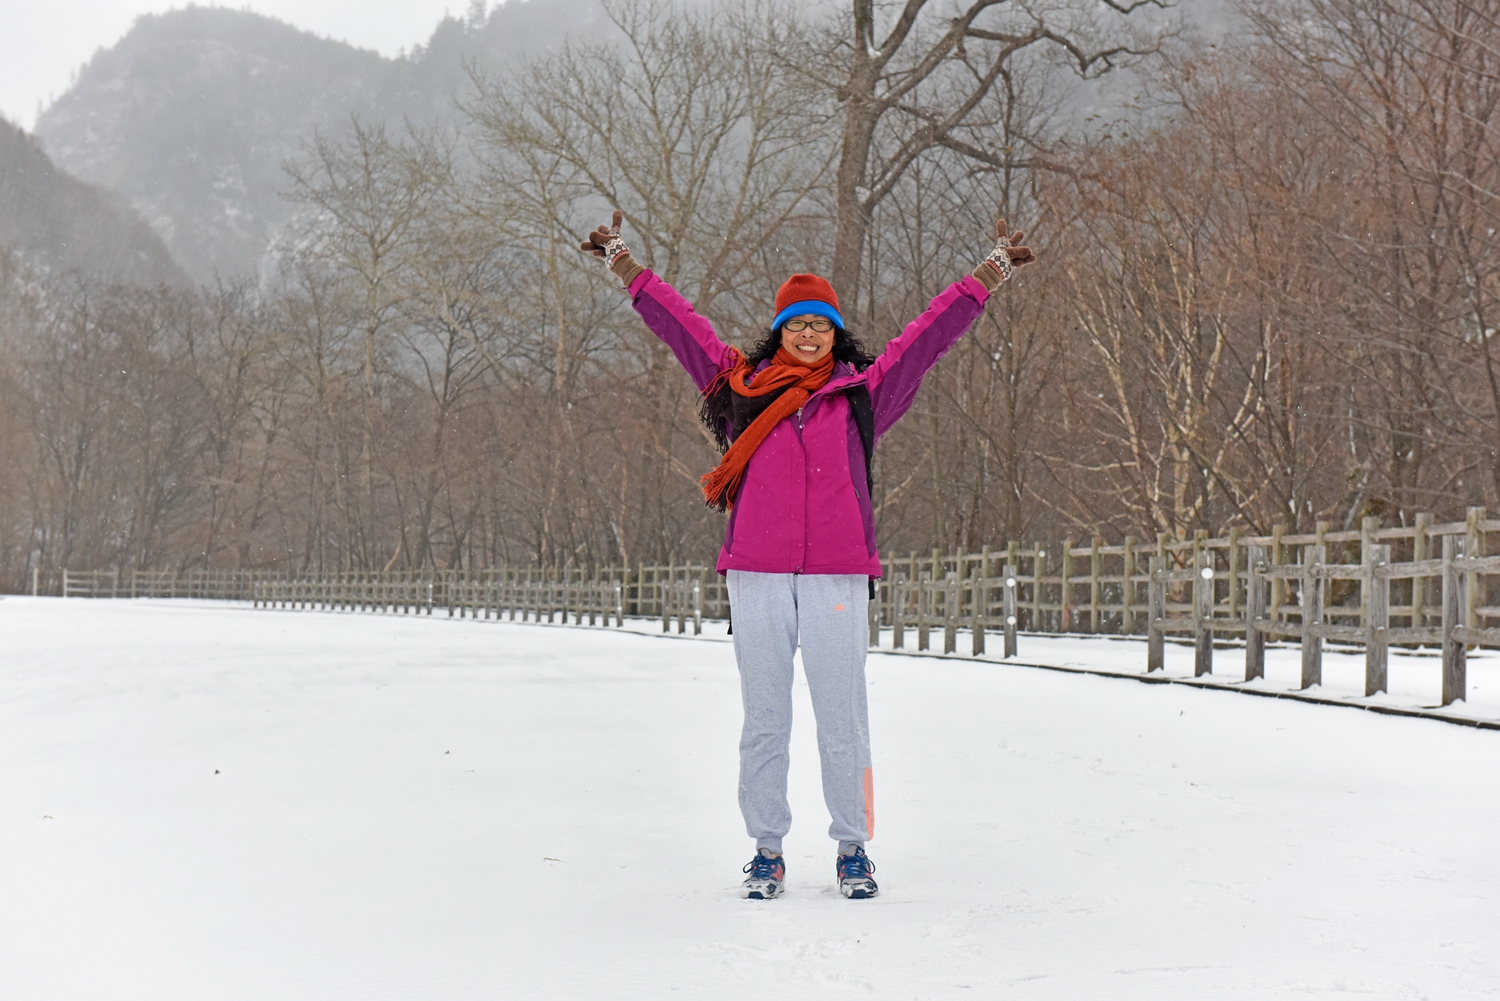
column 1327, row 586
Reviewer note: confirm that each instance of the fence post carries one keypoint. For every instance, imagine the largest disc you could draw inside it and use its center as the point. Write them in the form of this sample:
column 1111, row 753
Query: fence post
column 1312, row 618
column 698, row 605
column 1203, row 611
column 661, row 590
column 1255, row 612
column 1011, row 586
column 1234, row 557
column 872, row 616
column 1455, row 659
column 1038, row 569
column 1278, row 584
column 1473, row 546
column 924, row 604
column 1127, row 589
column 979, row 593
column 1421, row 549
column 1094, row 568
column 929, row 606
column 950, row 612
column 1378, row 618
column 1368, row 526
column 898, row 610
column 883, row 592
column 1156, row 611
column 1067, row 588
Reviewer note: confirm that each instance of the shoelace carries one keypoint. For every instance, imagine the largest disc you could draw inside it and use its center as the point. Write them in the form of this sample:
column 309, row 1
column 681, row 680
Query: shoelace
column 761, row 867
column 854, row 866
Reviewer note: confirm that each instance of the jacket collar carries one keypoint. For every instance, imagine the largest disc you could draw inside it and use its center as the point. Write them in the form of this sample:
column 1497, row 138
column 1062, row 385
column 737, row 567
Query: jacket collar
column 842, row 377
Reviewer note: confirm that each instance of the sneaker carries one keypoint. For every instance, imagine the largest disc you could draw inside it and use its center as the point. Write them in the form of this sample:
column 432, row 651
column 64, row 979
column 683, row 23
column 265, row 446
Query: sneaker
column 853, row 871
column 767, row 873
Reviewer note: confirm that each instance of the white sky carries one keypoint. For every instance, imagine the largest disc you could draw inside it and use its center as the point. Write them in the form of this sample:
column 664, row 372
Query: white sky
column 42, row 42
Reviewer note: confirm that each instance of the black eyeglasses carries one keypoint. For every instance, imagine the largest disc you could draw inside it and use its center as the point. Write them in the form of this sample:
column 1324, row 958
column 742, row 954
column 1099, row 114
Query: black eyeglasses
column 817, row 326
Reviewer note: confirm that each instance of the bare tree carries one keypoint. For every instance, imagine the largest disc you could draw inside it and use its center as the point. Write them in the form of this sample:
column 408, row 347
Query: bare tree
column 911, row 79
column 366, row 197
column 1409, row 89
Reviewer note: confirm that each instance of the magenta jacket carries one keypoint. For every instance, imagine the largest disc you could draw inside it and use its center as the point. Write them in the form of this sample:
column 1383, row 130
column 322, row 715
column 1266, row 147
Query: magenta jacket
column 804, row 506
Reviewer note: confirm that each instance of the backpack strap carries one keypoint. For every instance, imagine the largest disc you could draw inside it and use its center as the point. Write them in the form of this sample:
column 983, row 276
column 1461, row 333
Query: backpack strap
column 864, row 419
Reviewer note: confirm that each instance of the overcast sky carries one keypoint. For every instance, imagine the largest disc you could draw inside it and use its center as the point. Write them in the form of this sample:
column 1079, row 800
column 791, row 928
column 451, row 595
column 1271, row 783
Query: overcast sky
column 42, row 42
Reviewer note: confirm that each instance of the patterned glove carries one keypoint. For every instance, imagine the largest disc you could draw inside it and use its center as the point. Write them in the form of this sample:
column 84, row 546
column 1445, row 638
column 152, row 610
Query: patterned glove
column 606, row 245
column 1000, row 263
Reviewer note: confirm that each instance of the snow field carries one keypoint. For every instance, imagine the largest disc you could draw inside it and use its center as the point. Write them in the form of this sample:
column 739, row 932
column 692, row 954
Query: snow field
column 431, row 808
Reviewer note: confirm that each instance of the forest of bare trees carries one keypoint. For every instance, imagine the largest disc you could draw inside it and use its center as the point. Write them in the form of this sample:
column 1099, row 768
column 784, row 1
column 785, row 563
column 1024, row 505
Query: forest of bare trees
column 1267, row 295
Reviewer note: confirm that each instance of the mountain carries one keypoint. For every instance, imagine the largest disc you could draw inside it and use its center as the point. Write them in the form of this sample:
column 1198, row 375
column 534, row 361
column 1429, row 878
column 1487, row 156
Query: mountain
column 61, row 223
column 192, row 114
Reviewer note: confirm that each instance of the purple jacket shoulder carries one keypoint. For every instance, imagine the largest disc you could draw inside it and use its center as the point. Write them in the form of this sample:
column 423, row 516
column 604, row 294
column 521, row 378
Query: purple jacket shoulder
column 805, row 506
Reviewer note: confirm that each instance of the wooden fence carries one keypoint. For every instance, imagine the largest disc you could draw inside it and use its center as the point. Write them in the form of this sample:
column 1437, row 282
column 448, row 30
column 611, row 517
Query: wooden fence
column 220, row 585
column 1426, row 583
column 685, row 593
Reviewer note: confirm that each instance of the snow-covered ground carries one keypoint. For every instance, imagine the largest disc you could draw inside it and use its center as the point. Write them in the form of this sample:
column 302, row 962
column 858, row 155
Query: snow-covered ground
column 210, row 801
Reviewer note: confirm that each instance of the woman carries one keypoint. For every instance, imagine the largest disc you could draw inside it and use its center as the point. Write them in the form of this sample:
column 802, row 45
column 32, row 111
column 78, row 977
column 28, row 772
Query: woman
column 797, row 419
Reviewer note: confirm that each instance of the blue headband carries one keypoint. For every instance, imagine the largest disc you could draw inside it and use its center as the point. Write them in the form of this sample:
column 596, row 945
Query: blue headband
column 808, row 307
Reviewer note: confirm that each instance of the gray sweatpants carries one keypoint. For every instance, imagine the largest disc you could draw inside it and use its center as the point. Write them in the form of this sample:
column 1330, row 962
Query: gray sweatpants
column 770, row 611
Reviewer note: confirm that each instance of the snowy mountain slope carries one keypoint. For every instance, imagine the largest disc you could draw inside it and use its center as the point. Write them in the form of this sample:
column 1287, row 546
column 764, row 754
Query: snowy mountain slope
column 192, row 114
column 207, row 800
column 62, row 224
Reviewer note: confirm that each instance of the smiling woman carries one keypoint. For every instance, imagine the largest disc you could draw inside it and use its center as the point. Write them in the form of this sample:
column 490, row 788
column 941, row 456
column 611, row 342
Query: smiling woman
column 797, row 419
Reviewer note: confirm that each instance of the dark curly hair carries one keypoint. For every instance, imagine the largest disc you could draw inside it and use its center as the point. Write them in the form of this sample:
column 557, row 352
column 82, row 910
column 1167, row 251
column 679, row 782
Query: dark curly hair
column 726, row 415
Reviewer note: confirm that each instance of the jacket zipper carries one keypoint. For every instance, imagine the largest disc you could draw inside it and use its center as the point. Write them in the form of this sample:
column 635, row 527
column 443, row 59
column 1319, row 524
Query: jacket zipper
column 804, row 517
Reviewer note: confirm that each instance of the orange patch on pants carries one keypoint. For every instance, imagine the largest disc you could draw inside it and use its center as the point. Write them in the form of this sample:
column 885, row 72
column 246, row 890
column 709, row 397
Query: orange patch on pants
column 838, row 608
column 869, row 805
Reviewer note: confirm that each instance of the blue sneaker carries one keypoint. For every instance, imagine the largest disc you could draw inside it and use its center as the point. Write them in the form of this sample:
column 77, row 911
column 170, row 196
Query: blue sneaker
column 767, row 874
column 853, row 871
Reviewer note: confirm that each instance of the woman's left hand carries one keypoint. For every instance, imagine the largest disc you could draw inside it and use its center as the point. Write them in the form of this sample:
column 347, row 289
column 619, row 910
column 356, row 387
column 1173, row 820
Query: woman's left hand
column 1008, row 255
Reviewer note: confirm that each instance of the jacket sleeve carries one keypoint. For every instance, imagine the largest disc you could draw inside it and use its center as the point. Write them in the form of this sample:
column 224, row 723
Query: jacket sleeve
column 896, row 375
column 673, row 319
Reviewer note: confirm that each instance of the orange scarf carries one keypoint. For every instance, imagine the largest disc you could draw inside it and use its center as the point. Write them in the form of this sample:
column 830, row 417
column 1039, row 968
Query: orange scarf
column 799, row 381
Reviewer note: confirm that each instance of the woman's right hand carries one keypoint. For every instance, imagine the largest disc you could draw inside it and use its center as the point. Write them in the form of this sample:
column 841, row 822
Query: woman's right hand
column 605, row 243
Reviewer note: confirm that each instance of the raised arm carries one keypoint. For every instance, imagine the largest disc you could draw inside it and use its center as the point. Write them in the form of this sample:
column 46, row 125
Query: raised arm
column 669, row 316
column 896, row 375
